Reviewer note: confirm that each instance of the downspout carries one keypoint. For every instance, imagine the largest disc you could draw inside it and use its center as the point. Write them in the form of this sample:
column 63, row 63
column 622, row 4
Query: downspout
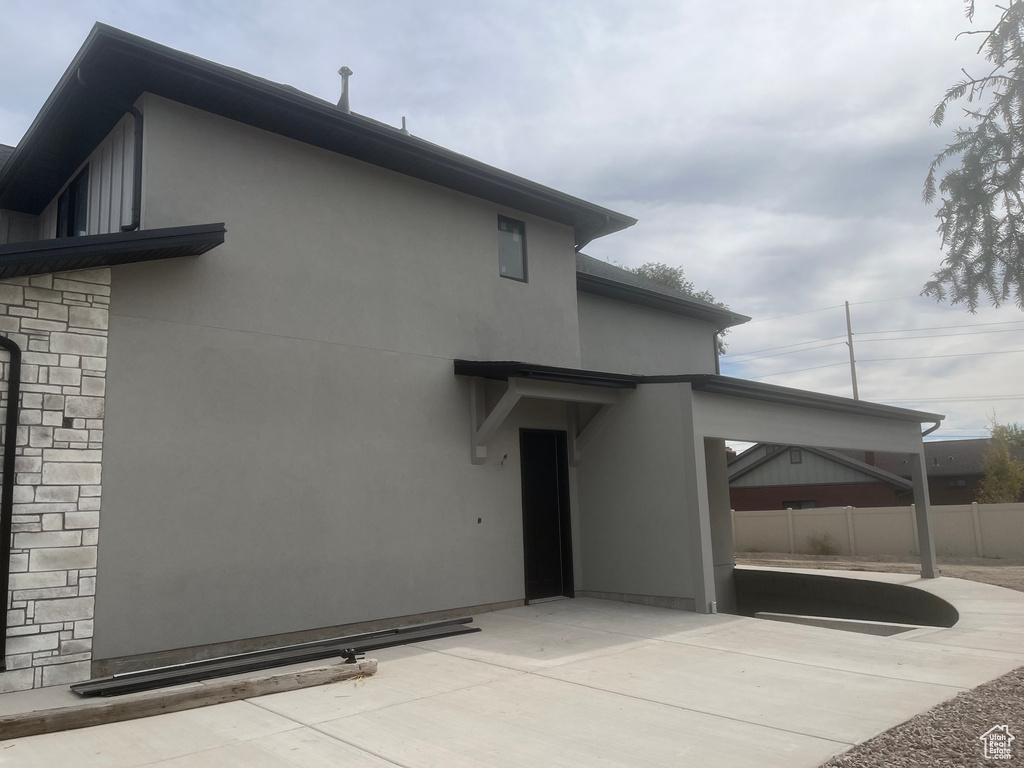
column 931, row 429
column 7, row 490
column 137, row 170
column 136, row 173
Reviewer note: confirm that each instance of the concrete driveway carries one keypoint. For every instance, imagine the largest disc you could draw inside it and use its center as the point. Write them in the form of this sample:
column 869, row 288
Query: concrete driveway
column 582, row 683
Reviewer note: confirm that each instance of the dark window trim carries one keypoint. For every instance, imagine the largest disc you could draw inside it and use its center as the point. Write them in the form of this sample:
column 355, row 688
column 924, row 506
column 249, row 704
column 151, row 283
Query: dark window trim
column 796, row 456
column 522, row 227
column 68, row 204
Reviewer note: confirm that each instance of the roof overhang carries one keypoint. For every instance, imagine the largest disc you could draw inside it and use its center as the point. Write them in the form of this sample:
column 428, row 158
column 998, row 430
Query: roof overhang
column 504, row 370
column 771, row 393
column 745, row 405
column 704, row 382
column 92, row 251
column 117, row 68
column 676, row 303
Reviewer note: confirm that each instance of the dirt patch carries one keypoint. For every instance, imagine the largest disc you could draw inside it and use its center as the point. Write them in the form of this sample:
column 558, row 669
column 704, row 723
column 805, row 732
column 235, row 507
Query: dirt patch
column 1001, row 573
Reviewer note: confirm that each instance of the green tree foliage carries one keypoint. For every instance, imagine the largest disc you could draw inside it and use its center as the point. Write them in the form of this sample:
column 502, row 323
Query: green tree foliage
column 675, row 278
column 981, row 213
column 1004, row 475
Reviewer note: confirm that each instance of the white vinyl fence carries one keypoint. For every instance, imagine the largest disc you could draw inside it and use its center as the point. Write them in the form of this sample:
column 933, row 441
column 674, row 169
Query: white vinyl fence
column 964, row 530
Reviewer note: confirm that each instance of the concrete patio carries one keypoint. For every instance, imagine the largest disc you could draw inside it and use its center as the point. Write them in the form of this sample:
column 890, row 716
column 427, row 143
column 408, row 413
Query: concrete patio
column 582, row 682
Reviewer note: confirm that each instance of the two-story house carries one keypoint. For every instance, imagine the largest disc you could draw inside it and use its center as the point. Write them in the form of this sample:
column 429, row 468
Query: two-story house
column 275, row 371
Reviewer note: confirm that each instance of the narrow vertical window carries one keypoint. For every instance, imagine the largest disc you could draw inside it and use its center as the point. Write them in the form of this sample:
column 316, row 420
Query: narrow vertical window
column 511, row 249
column 795, row 456
column 73, row 208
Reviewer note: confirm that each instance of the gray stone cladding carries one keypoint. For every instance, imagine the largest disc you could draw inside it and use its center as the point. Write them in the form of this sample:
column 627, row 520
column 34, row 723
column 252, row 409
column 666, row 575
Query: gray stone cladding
column 60, row 323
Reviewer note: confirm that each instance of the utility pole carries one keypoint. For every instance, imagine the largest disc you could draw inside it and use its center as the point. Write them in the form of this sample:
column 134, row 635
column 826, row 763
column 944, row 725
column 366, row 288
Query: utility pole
column 853, row 361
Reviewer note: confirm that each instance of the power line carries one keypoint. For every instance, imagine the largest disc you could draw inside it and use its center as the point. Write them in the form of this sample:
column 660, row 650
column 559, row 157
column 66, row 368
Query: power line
column 896, row 330
column 787, row 346
column 939, row 335
column 891, row 359
column 879, row 301
column 936, row 357
column 794, row 314
column 836, row 306
column 865, row 341
column 942, row 327
column 799, row 370
column 955, row 399
column 791, row 352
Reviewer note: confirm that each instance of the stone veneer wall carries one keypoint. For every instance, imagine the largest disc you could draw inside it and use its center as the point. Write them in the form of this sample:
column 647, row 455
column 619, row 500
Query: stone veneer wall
column 60, row 323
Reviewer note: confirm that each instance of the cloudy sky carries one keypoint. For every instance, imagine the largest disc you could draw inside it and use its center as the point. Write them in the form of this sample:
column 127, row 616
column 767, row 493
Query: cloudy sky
column 776, row 151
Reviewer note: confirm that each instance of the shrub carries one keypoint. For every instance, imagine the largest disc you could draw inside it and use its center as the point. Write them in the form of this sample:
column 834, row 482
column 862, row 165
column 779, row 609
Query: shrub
column 822, row 545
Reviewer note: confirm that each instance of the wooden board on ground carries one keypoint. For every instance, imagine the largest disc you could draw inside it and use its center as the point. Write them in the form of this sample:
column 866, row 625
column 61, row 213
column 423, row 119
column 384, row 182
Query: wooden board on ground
column 149, row 703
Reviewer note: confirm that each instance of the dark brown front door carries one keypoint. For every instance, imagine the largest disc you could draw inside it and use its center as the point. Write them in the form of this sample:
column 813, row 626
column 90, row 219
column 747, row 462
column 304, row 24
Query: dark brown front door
column 547, row 541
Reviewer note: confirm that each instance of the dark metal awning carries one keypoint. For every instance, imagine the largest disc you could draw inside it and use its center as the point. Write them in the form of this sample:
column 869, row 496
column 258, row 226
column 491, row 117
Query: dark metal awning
column 91, row 251
column 503, row 370
column 711, row 383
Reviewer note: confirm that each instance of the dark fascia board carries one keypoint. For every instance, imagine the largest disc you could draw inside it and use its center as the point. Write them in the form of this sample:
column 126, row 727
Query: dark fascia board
column 123, row 66
column 846, row 461
column 88, row 252
column 677, row 303
column 503, row 370
column 707, row 382
column 725, row 385
column 703, row 382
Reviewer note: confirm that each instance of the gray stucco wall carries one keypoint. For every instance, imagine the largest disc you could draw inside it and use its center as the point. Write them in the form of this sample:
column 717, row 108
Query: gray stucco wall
column 287, row 445
column 720, row 517
column 621, row 337
column 635, row 536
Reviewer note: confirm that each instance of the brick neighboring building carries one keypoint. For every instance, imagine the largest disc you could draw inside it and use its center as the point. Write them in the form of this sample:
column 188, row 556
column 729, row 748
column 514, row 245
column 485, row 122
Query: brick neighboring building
column 770, row 476
column 763, row 478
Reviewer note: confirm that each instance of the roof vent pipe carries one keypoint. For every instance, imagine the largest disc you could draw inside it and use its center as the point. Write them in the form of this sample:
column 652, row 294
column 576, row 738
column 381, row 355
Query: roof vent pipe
column 404, row 129
column 345, row 73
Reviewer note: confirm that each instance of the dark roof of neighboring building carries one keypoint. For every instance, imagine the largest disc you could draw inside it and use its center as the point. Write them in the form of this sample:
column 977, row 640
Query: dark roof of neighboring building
column 944, row 458
column 5, row 152
column 113, row 68
column 604, row 279
column 834, row 456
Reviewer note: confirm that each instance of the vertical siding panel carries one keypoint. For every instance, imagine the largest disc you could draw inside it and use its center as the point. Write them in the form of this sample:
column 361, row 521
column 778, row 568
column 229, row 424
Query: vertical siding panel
column 127, row 170
column 116, row 178
column 106, row 163
column 93, row 216
column 110, row 183
column 47, row 222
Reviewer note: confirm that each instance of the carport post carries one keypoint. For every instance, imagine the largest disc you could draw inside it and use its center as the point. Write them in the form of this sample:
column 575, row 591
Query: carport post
column 697, row 508
column 922, row 505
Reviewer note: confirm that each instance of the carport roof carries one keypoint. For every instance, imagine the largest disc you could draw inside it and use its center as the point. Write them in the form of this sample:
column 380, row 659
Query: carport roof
column 702, row 382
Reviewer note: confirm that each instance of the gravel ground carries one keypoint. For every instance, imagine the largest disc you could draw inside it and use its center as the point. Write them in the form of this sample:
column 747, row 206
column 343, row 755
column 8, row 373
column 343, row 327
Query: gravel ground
column 1002, row 573
column 948, row 735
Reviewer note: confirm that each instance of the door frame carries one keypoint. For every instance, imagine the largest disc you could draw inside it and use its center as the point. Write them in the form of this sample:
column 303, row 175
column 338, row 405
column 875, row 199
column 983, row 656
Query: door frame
column 564, row 509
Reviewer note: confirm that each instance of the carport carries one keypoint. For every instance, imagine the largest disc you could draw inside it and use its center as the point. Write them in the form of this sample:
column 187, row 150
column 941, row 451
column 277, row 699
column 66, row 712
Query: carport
column 649, row 487
column 726, row 408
